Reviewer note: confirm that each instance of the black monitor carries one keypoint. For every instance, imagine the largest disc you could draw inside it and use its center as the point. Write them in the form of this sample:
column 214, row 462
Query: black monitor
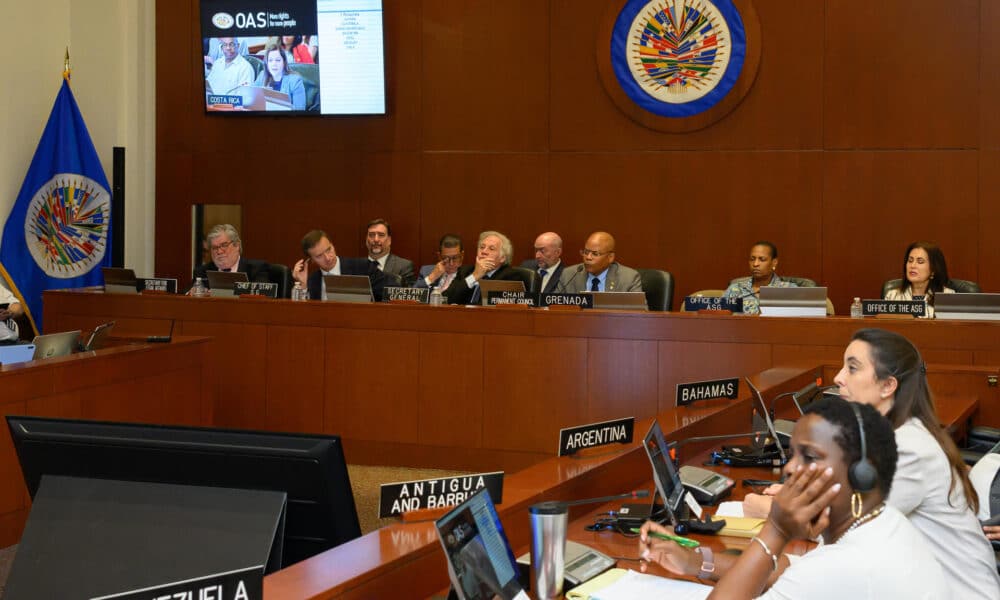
column 665, row 476
column 310, row 469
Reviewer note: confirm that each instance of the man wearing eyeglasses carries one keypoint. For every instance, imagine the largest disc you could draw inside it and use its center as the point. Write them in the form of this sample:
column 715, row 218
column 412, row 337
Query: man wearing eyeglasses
column 232, row 72
column 450, row 256
column 492, row 262
column 227, row 255
column 599, row 272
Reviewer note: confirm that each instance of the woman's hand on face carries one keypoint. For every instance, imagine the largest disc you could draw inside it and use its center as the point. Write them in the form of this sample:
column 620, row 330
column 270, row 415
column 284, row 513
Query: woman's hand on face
column 668, row 554
column 802, row 508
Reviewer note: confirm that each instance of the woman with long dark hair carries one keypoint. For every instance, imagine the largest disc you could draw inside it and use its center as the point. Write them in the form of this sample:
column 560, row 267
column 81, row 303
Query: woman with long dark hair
column 925, row 273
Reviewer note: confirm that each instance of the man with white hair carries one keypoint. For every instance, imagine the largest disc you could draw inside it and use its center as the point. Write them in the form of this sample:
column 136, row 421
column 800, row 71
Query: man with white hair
column 226, row 250
column 492, row 262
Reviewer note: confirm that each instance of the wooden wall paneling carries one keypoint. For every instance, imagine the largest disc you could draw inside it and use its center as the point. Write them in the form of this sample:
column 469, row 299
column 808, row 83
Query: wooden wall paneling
column 878, row 93
column 782, row 353
column 989, row 84
column 296, row 379
column 683, row 362
column 485, row 75
column 469, row 193
column 876, row 203
column 370, row 379
column 390, row 189
column 621, row 379
column 988, row 274
column 450, row 390
column 238, row 377
column 176, row 191
column 66, row 405
column 532, row 388
column 782, row 110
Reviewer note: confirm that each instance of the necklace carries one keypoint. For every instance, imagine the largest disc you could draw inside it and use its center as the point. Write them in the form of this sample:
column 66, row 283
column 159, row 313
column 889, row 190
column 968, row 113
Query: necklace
column 868, row 516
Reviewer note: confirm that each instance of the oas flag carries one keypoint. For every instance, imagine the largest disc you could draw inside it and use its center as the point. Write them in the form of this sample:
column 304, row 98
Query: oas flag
column 57, row 234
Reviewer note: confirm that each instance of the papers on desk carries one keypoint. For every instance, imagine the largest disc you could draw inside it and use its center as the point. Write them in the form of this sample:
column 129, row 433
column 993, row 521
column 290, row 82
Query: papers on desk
column 732, row 508
column 619, row 584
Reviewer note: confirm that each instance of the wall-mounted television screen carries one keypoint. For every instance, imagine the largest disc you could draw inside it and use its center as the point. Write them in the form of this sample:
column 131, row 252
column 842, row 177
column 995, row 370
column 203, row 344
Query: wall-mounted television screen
column 293, row 56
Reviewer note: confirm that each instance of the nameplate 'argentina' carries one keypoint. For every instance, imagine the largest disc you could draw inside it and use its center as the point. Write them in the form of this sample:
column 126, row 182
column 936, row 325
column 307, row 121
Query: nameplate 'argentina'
column 893, row 307
column 255, row 288
column 619, row 431
column 244, row 584
column 703, row 390
column 397, row 498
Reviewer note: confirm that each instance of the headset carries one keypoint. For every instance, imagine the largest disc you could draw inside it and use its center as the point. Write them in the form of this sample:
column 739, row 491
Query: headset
column 862, row 474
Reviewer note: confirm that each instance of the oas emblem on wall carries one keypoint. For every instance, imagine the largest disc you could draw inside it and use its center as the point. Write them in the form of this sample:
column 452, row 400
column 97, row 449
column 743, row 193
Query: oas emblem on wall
column 66, row 226
column 683, row 63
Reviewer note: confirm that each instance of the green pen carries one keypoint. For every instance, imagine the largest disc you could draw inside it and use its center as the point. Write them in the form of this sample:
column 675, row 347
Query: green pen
column 683, row 541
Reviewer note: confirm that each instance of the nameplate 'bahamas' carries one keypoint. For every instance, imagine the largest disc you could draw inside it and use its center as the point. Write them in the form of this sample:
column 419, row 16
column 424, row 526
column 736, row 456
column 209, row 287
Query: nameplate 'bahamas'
column 704, row 390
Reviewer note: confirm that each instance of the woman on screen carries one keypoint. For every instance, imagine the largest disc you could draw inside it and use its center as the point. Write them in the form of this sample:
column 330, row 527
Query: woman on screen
column 871, row 550
column 297, row 51
column 280, row 78
column 924, row 274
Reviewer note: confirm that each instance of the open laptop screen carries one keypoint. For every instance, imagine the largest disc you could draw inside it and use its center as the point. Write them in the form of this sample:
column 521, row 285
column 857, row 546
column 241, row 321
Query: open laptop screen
column 480, row 562
column 665, row 476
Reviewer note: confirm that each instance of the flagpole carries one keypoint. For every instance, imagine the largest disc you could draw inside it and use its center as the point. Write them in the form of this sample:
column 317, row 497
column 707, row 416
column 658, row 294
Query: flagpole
column 67, row 72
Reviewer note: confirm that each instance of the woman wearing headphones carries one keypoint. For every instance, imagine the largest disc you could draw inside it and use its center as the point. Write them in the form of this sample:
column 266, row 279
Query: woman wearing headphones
column 842, row 466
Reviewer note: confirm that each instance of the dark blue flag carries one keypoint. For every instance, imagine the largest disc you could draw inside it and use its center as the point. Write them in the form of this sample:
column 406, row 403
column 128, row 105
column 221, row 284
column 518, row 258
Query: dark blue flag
column 58, row 233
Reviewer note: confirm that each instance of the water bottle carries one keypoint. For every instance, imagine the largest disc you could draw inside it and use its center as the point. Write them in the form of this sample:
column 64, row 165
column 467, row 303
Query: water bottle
column 198, row 290
column 856, row 312
column 299, row 293
column 436, row 299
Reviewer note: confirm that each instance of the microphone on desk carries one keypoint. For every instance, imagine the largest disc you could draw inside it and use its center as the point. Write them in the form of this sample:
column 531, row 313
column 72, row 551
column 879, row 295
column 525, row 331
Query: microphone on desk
column 561, row 505
column 162, row 339
column 807, row 391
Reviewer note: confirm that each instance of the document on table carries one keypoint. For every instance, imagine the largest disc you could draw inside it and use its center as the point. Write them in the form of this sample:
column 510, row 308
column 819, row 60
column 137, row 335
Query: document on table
column 633, row 585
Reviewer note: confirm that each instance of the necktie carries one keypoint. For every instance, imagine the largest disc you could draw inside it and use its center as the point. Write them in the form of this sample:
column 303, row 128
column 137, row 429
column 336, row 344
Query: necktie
column 475, row 296
column 595, row 284
column 543, row 273
column 226, row 270
column 374, row 264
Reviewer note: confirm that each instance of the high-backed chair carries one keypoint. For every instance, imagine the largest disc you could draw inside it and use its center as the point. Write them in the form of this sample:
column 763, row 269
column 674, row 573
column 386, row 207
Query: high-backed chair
column 659, row 288
column 310, row 80
column 280, row 274
column 799, row 281
column 534, row 282
column 962, row 286
column 256, row 63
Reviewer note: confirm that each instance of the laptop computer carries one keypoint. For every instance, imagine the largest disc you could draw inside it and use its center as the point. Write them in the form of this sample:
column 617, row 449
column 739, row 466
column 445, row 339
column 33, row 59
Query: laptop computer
column 348, row 288
column 665, row 476
column 17, row 353
column 620, row 300
column 221, row 283
column 56, row 344
column 119, row 281
column 792, row 302
column 480, row 562
column 760, row 412
column 967, row 306
column 497, row 285
column 96, row 338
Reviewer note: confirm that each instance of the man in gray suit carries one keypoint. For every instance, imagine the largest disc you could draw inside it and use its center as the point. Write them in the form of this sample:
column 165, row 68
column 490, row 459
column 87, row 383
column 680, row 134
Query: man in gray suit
column 440, row 275
column 599, row 272
column 379, row 242
column 548, row 260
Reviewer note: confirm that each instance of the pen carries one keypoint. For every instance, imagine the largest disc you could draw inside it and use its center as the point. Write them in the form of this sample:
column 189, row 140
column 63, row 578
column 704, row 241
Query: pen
column 683, row 541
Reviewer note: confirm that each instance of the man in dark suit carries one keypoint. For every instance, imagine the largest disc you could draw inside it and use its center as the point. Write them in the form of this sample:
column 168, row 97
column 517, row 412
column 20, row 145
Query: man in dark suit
column 492, row 262
column 318, row 249
column 440, row 275
column 548, row 261
column 378, row 239
column 227, row 255
column 599, row 272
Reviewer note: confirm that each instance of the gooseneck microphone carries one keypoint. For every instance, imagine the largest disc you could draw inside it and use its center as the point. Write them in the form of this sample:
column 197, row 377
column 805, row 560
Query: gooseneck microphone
column 561, row 505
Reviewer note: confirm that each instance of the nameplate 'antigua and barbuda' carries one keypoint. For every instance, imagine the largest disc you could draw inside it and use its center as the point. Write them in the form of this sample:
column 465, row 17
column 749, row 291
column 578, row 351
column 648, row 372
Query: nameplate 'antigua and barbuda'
column 678, row 65
column 705, row 390
column 255, row 288
column 581, row 300
column 398, row 498
column 696, row 303
column 406, row 294
column 511, row 297
column 916, row 308
column 573, row 439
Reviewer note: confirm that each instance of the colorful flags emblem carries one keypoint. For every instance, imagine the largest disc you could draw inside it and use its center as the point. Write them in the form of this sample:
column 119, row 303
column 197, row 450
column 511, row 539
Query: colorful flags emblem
column 58, row 232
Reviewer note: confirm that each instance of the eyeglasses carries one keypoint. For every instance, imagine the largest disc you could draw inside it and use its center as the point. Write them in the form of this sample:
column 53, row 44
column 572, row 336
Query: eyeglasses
column 585, row 253
column 222, row 247
column 457, row 258
column 229, row 44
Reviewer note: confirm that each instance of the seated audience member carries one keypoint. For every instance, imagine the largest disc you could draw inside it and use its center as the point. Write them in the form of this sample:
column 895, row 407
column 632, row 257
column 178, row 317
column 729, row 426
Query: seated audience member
column 378, row 239
column 296, row 50
column 440, row 275
column 924, row 274
column 763, row 264
column 599, row 272
column 870, row 551
column 232, row 71
column 9, row 333
column 931, row 486
column 280, row 78
column 213, row 51
column 226, row 249
column 492, row 262
column 318, row 248
column 548, row 261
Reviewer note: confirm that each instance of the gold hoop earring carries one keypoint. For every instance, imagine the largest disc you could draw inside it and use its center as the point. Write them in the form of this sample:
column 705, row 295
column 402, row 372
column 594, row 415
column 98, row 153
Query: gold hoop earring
column 857, row 504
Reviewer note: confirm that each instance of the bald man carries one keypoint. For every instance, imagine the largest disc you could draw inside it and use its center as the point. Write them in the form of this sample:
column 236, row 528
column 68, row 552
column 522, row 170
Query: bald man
column 548, row 260
column 599, row 272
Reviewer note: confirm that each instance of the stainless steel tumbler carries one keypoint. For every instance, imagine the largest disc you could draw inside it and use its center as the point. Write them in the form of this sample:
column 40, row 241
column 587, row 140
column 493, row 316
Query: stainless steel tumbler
column 548, row 547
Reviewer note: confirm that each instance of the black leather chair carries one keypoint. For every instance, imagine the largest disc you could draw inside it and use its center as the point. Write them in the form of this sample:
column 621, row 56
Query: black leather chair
column 280, row 274
column 534, row 284
column 799, row 281
column 256, row 63
column 962, row 286
column 310, row 80
column 659, row 288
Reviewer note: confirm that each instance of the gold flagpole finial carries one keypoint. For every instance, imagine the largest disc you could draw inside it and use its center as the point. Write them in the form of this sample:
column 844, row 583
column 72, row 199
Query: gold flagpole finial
column 66, row 70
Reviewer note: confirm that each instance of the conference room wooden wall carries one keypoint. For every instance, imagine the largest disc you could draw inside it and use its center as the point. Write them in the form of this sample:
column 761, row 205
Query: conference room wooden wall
column 869, row 125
